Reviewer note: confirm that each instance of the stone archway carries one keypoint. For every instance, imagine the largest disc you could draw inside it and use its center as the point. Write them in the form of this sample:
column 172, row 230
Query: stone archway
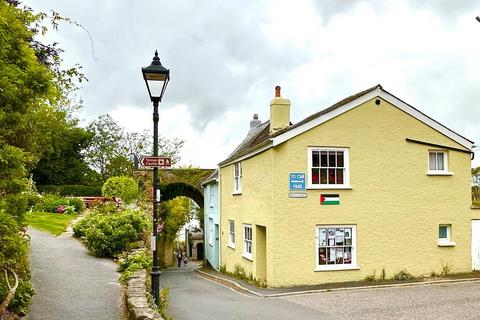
column 185, row 182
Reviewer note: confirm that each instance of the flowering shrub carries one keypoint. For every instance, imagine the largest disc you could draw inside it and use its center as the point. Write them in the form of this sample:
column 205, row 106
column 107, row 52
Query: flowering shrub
column 60, row 209
column 108, row 234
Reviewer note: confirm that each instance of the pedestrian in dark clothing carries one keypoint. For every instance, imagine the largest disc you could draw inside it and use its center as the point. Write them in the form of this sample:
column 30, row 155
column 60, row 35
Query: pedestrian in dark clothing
column 179, row 258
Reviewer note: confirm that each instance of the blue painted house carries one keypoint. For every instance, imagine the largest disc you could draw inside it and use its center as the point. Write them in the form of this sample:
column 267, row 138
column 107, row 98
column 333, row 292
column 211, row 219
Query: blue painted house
column 212, row 219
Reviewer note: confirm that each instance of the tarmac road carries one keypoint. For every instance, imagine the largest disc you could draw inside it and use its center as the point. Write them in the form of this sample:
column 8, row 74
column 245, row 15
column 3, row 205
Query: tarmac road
column 193, row 297
column 70, row 283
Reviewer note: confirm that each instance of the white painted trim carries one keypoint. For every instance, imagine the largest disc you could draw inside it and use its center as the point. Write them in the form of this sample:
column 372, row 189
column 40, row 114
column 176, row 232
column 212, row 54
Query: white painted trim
column 446, row 243
column 229, row 243
column 428, row 121
column 329, row 187
column 240, row 178
column 245, row 254
column 378, row 92
column 248, row 155
column 475, row 242
column 337, row 267
column 439, row 173
column 324, row 117
column 346, row 162
column 330, row 267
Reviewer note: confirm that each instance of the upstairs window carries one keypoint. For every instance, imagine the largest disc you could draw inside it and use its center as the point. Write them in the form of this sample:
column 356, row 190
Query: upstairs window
column 328, row 168
column 437, row 162
column 237, row 174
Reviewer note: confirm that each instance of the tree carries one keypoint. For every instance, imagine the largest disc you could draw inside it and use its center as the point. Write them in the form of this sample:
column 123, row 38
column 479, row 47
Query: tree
column 123, row 187
column 138, row 144
column 34, row 99
column 65, row 163
column 113, row 151
column 106, row 144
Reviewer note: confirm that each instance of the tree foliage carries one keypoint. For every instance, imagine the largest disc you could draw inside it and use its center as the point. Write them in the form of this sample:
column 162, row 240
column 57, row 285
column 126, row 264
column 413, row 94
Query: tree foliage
column 34, row 104
column 123, row 187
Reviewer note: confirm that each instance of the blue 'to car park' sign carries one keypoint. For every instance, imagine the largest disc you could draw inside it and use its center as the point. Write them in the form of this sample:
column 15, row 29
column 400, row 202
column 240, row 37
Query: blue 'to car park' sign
column 297, row 181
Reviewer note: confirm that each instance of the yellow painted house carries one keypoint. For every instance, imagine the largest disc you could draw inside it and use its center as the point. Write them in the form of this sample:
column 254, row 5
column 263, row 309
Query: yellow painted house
column 368, row 185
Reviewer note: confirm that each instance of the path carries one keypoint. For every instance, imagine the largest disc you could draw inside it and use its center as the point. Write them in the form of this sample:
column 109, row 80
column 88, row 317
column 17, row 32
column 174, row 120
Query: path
column 70, row 283
column 193, row 297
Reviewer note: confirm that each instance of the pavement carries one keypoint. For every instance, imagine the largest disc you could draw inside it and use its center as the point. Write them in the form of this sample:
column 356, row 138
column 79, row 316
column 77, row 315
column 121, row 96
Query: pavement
column 71, row 283
column 243, row 286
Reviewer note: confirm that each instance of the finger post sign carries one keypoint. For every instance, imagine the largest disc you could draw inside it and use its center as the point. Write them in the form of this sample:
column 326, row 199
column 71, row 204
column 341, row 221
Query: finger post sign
column 156, row 162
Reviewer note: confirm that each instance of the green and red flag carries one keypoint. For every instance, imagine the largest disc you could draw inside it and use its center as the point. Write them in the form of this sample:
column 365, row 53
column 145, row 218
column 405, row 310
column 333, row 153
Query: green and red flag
column 326, row 199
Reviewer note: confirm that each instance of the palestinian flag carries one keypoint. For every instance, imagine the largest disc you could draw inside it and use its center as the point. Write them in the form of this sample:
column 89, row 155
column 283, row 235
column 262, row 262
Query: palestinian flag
column 326, row 199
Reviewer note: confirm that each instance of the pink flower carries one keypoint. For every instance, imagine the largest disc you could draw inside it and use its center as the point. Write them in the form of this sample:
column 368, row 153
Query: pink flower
column 60, row 209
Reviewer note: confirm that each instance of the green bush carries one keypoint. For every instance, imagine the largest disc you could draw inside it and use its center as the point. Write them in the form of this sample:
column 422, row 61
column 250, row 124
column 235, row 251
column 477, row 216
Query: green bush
column 131, row 262
column 107, row 235
column 476, row 194
column 50, row 203
column 123, row 187
column 77, row 203
column 23, row 296
column 16, row 205
column 72, row 190
column 403, row 275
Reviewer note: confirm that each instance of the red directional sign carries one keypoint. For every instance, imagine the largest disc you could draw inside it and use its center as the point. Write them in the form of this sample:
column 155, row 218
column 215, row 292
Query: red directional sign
column 159, row 162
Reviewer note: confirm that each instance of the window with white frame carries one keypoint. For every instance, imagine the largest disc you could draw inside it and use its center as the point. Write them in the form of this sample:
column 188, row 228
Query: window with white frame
column 336, row 247
column 328, row 167
column 437, row 161
column 231, row 233
column 237, row 174
column 210, row 231
column 445, row 235
column 247, row 241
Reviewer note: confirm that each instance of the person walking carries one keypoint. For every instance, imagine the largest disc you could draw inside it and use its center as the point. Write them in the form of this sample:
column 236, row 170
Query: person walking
column 185, row 259
column 179, row 258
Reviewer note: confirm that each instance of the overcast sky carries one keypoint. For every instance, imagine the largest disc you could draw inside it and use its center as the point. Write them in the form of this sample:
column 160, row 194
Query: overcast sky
column 226, row 57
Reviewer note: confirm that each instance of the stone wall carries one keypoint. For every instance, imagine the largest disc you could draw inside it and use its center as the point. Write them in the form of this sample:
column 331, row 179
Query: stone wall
column 136, row 300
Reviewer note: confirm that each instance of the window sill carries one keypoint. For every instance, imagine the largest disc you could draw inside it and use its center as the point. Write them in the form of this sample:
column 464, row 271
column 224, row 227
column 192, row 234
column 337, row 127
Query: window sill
column 247, row 256
column 329, row 187
column 236, row 193
column 336, row 268
column 440, row 173
column 231, row 246
column 446, row 243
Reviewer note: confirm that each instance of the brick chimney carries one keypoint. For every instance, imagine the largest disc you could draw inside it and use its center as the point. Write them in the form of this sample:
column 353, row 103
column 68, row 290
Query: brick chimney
column 279, row 112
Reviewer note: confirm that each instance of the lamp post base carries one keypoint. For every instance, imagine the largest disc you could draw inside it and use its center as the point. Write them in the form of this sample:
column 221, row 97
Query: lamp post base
column 155, row 274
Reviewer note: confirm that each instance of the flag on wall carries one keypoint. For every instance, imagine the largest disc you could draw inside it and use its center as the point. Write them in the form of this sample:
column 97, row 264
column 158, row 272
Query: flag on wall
column 326, row 199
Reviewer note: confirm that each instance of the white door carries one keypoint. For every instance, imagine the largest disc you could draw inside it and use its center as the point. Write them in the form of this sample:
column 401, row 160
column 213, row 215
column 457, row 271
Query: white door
column 476, row 244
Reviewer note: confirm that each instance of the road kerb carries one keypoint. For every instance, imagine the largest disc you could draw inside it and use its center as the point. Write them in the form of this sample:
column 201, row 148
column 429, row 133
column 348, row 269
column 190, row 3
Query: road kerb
column 236, row 286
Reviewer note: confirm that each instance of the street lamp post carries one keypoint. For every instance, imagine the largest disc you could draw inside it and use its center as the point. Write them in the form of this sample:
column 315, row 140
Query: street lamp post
column 156, row 78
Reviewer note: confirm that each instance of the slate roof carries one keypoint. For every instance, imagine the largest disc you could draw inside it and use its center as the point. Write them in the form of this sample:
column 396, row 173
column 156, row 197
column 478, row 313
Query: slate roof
column 261, row 136
column 211, row 177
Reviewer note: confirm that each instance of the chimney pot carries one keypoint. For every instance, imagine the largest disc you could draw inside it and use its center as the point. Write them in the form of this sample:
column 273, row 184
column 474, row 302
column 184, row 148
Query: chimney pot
column 277, row 91
column 255, row 116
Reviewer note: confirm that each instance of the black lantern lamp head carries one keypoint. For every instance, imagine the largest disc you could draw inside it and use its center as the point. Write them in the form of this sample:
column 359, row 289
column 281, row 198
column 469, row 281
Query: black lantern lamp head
column 156, row 78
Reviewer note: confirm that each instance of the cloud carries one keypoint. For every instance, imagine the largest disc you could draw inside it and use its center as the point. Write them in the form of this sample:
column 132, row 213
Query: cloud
column 226, row 57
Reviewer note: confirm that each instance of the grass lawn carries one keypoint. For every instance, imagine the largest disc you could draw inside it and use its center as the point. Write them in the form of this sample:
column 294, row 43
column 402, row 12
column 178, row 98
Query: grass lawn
column 54, row 223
